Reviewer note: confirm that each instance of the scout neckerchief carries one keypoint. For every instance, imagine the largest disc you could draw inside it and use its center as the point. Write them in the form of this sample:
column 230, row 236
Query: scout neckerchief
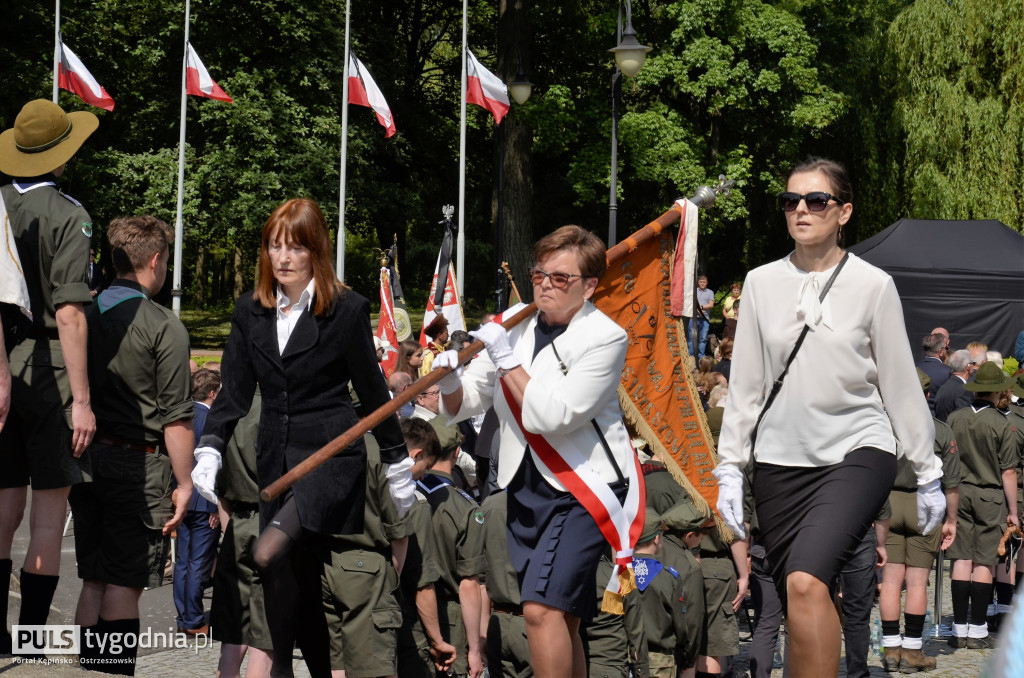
column 621, row 524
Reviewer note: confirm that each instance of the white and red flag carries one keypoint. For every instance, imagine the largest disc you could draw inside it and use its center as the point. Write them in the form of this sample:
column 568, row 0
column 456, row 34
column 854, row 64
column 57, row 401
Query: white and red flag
column 76, row 78
column 685, row 262
column 386, row 328
column 485, row 89
column 198, row 81
column 363, row 91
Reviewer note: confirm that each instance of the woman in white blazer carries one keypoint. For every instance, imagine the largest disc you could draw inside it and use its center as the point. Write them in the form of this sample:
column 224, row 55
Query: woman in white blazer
column 556, row 376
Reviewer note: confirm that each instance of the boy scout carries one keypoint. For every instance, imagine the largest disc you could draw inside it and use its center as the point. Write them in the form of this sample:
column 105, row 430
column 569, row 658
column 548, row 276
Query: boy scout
column 688, row 525
column 662, row 597
column 138, row 357
column 458, row 531
column 615, row 644
column 988, row 498
column 360, row 582
column 421, row 647
column 51, row 422
column 238, row 616
column 507, row 652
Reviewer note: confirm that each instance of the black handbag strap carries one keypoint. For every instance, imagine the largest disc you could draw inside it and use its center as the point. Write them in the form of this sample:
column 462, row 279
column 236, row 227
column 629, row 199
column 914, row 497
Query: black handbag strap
column 777, row 384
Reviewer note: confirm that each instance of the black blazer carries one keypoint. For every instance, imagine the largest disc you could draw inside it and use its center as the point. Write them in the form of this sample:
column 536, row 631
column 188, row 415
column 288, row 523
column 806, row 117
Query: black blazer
column 306, row 404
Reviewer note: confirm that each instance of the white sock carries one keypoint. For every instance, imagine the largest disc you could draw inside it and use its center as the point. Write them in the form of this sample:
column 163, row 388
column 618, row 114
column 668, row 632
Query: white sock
column 977, row 631
column 912, row 644
column 960, row 630
column 891, row 641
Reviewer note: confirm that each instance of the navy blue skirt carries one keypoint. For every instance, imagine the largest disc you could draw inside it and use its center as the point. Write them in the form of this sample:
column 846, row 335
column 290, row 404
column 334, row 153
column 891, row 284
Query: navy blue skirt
column 553, row 542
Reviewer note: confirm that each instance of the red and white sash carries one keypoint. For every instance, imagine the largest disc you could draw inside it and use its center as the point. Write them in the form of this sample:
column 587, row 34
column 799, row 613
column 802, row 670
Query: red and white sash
column 621, row 524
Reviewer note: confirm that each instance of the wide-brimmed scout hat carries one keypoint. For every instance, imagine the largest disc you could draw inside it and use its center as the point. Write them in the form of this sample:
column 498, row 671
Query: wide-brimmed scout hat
column 43, row 138
column 926, row 381
column 686, row 517
column 989, row 378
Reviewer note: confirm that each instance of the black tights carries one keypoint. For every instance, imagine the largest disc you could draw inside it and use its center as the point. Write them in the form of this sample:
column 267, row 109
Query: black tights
column 290, row 575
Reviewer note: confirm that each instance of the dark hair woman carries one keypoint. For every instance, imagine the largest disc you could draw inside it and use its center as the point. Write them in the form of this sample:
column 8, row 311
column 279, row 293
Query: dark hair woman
column 825, row 454
column 410, row 357
column 302, row 337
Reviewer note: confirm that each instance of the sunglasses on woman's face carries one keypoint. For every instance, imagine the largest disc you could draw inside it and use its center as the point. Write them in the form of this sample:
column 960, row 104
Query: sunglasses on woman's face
column 816, row 201
column 558, row 280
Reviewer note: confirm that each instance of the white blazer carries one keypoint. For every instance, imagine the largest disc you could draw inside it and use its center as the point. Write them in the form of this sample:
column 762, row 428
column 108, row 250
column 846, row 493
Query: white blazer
column 556, row 406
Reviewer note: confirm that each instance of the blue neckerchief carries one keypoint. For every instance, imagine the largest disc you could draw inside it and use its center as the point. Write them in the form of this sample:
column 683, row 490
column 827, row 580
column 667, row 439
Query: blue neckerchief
column 645, row 569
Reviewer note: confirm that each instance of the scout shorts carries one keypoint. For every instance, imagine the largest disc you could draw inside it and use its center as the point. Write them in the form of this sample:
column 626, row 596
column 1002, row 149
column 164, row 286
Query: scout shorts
column 119, row 517
column 35, row 444
column 363, row 616
column 980, row 522
column 238, row 614
column 905, row 544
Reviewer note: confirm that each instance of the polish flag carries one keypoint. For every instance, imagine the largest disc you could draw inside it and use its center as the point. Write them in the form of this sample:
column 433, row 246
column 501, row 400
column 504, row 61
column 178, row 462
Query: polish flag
column 386, row 331
column 363, row 91
column 198, row 81
column 485, row 89
column 73, row 76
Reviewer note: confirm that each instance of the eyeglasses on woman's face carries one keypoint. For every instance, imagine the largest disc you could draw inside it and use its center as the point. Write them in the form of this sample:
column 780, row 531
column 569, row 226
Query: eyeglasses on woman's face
column 558, row 280
column 816, row 201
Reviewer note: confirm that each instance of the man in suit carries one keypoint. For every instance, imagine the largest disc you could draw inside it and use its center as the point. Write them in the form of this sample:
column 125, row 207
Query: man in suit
column 198, row 533
column 97, row 281
column 952, row 395
column 933, row 364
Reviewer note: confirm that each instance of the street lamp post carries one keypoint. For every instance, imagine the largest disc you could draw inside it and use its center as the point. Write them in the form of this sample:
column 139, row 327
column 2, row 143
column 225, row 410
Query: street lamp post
column 629, row 59
column 520, row 88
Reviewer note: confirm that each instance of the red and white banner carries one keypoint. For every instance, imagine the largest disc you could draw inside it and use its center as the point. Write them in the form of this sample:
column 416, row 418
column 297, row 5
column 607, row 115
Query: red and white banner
column 451, row 309
column 485, row 89
column 386, row 324
column 198, row 81
column 363, row 91
column 73, row 76
column 683, row 266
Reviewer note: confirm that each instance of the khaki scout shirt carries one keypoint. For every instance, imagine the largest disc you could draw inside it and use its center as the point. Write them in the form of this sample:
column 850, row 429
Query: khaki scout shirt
column 52, row 232
column 138, row 365
column 945, row 449
column 458, row 532
column 237, row 481
column 664, row 603
column 987, row 444
column 616, row 641
column 502, row 580
column 381, row 522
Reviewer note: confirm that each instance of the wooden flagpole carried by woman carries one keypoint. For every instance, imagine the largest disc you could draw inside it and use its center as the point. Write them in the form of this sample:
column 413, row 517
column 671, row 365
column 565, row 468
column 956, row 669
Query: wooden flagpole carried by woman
column 704, row 197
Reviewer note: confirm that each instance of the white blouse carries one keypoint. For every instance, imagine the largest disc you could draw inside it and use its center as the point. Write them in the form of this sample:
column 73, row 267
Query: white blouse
column 286, row 322
column 855, row 356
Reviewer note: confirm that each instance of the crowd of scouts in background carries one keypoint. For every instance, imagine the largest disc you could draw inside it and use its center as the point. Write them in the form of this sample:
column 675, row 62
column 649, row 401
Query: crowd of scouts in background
column 426, row 586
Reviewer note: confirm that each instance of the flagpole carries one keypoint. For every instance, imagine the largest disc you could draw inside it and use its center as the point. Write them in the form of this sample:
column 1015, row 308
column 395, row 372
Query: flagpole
column 460, row 240
column 56, row 55
column 344, row 152
column 178, row 229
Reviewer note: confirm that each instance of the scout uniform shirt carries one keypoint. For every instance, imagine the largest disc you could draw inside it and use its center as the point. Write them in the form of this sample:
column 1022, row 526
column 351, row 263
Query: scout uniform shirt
column 615, row 643
column 459, row 536
column 664, row 603
column 988, row 445
column 52, row 232
column 138, row 365
column 945, row 450
column 419, row 571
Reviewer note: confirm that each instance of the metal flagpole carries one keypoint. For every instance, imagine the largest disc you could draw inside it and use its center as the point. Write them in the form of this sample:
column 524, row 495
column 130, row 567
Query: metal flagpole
column 344, row 151
column 178, row 229
column 460, row 241
column 56, row 54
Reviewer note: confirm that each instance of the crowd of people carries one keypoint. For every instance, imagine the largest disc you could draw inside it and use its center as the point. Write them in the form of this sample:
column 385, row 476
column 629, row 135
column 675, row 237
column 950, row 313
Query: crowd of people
column 505, row 518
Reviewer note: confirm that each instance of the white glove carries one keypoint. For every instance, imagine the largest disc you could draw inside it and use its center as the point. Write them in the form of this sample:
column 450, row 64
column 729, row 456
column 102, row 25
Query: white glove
column 730, row 498
column 204, row 475
column 452, row 381
column 401, row 485
column 495, row 338
column 931, row 506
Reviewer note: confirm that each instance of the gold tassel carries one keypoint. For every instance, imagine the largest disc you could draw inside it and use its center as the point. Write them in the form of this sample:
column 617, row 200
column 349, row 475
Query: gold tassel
column 612, row 602
column 627, row 582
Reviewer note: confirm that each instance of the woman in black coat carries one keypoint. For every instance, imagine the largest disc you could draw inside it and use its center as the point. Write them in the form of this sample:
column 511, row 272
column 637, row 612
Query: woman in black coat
column 302, row 337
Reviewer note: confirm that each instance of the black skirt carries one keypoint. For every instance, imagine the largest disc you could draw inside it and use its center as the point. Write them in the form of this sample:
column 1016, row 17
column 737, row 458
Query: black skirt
column 812, row 519
column 554, row 543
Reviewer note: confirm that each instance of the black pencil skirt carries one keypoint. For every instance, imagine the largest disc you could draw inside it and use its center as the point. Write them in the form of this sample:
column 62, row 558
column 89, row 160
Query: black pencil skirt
column 813, row 518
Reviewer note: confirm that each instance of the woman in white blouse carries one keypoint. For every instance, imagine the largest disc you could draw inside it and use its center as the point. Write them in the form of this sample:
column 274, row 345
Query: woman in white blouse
column 825, row 453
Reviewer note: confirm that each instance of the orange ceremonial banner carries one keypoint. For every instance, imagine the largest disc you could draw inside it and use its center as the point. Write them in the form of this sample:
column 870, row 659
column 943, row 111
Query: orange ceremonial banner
column 657, row 393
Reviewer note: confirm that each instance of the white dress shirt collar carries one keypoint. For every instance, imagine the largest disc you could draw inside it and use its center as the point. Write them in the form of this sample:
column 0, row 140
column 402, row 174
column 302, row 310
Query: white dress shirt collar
column 286, row 322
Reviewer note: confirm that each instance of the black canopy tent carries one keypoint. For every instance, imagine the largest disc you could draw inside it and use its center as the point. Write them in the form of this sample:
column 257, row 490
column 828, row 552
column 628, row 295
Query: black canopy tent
column 966, row 276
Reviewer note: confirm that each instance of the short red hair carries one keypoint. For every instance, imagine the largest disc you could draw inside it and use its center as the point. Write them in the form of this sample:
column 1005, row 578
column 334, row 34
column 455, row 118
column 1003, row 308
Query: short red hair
column 302, row 223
